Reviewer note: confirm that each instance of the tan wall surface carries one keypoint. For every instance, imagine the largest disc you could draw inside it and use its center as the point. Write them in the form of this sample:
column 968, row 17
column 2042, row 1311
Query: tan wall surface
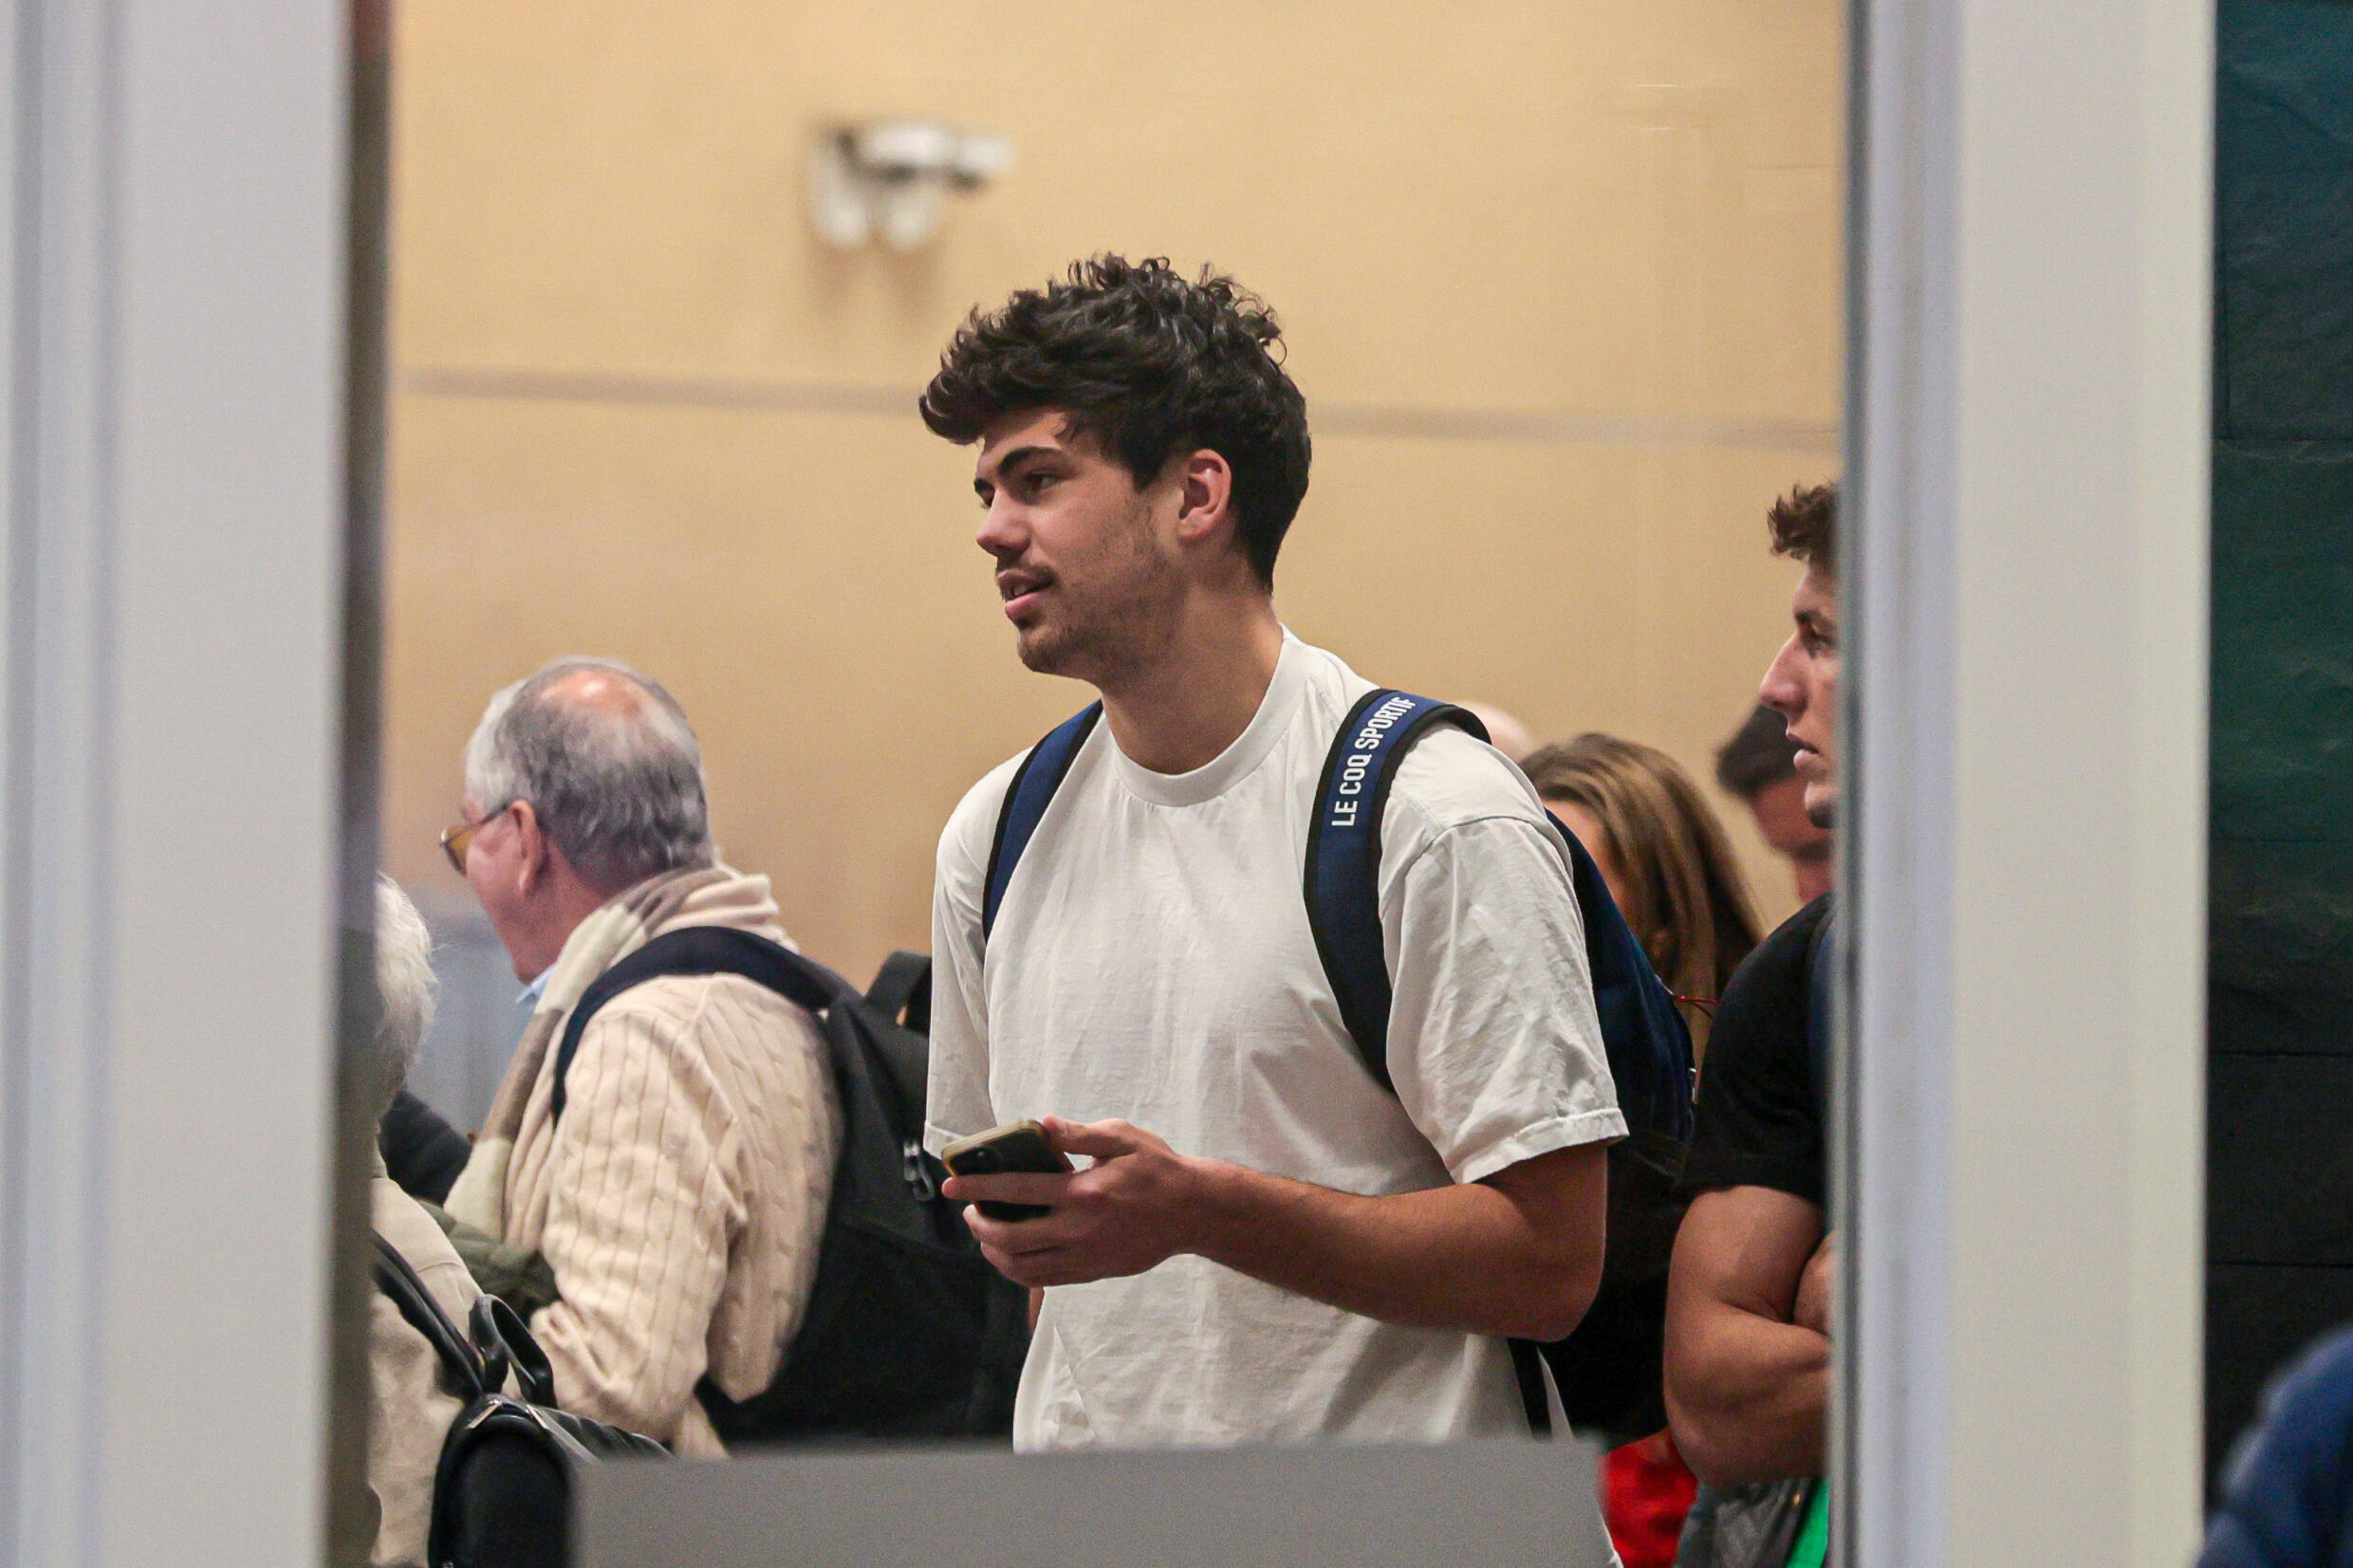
column 1561, row 283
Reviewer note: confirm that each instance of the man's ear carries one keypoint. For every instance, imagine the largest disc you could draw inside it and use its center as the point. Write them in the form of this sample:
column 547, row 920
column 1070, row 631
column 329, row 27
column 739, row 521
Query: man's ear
column 532, row 848
column 1204, row 497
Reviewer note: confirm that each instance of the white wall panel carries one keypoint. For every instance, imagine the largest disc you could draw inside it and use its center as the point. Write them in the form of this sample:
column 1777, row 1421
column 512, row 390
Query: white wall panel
column 173, row 589
column 2028, row 604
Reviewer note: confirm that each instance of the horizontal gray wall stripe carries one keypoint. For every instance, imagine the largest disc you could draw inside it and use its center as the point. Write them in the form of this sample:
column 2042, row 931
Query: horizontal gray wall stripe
column 1535, row 427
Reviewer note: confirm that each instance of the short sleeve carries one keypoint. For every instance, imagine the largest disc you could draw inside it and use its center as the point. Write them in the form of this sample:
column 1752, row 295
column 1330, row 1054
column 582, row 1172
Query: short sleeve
column 1760, row 1121
column 957, row 1102
column 1494, row 1047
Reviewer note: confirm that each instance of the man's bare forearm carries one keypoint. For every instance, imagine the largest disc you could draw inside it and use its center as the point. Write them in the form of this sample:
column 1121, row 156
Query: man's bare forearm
column 1519, row 1253
column 1746, row 1384
column 1746, row 1396
column 1467, row 1257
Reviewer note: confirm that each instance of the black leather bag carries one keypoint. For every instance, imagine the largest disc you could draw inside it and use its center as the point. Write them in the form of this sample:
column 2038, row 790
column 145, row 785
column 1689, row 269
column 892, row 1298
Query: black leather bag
column 502, row 1490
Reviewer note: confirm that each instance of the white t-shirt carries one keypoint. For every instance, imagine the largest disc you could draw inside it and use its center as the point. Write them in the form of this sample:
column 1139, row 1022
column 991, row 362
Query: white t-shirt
column 1152, row 961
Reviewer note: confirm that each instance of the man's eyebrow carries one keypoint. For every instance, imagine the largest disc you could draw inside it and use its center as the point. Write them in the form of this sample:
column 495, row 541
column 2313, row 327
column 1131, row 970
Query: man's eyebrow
column 1013, row 459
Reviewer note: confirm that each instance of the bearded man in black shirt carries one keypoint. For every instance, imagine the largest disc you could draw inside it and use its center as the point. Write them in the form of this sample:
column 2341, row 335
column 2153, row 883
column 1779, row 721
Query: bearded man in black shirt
column 1748, row 1362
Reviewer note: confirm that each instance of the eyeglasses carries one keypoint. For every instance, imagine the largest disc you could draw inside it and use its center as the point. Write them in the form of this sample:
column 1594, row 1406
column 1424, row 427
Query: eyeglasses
column 457, row 839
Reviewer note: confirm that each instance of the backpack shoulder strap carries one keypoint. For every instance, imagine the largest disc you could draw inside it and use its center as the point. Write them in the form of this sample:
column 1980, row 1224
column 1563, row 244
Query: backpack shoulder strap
column 699, row 951
column 902, row 990
column 1026, row 799
column 398, row 1280
column 1342, row 877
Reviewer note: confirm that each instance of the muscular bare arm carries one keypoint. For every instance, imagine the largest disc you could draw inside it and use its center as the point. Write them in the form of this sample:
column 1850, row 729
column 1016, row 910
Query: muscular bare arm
column 1517, row 1254
column 1747, row 1386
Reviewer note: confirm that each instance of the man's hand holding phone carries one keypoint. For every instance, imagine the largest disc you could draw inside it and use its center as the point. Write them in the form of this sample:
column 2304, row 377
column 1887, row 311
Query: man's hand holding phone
column 1139, row 1203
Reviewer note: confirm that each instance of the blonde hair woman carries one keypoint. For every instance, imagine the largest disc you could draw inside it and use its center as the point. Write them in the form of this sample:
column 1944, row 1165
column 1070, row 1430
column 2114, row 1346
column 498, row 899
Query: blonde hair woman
column 1663, row 854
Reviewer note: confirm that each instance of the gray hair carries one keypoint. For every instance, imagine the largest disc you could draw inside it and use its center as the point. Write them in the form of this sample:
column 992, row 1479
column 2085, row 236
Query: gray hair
column 404, row 983
column 621, row 792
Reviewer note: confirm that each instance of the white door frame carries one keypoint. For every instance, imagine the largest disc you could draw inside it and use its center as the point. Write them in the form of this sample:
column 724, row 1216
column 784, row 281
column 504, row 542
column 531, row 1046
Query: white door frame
column 2022, row 1095
column 172, row 181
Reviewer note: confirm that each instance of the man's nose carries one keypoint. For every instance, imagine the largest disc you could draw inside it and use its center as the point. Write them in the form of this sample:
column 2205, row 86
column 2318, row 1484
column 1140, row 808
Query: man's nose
column 1002, row 532
column 1781, row 691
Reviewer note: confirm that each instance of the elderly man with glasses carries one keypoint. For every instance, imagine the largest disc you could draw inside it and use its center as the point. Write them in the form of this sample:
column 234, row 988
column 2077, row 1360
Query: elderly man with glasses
column 676, row 1186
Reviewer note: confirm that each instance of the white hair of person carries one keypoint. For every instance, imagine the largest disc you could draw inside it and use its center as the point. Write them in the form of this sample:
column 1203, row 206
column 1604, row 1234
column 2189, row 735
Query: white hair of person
column 619, row 790
column 404, row 983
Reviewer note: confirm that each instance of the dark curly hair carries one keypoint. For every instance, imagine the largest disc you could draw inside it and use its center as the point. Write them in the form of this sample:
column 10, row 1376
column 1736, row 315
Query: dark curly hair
column 1146, row 363
column 1804, row 525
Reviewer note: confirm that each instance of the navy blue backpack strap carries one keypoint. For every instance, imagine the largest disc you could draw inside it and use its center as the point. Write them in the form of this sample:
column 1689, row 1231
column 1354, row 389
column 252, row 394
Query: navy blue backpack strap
column 1026, row 799
column 1343, row 856
column 1647, row 1042
column 699, row 951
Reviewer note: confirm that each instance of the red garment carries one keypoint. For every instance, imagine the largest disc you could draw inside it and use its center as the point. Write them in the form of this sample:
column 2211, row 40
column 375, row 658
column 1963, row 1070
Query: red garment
column 1647, row 1489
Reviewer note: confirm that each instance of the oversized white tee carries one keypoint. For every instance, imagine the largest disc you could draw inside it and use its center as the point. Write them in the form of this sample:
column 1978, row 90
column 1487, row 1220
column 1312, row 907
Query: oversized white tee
column 1152, row 961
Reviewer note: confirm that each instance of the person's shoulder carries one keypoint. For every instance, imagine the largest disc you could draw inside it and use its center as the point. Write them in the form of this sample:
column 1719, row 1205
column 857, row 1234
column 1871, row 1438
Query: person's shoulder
column 405, row 1225
column 2310, row 1404
column 1450, row 779
column 1447, row 779
column 2289, row 1479
column 1762, row 1012
column 1764, row 1002
column 672, row 1012
column 1788, row 953
column 980, row 804
column 970, row 836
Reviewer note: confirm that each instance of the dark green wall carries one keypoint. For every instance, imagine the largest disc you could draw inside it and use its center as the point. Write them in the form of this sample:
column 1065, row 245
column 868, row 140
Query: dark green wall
column 2280, row 1117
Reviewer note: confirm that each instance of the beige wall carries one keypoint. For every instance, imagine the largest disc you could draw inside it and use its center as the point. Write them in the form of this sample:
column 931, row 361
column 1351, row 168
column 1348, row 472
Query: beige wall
column 1561, row 283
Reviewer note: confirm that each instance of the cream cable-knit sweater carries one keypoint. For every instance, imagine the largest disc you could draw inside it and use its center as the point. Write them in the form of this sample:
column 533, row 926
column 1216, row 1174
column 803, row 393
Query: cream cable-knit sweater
column 681, row 1197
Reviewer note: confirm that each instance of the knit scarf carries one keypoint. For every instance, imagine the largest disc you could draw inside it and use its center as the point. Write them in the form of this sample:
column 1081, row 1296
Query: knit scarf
column 703, row 895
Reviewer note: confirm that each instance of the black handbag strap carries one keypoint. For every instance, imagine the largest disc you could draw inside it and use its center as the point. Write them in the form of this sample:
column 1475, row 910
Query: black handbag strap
column 495, row 1324
column 396, row 1279
column 1528, row 1372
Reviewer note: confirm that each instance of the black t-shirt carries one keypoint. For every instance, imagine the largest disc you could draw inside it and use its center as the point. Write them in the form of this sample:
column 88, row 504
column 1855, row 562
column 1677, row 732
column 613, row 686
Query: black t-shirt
column 1761, row 1112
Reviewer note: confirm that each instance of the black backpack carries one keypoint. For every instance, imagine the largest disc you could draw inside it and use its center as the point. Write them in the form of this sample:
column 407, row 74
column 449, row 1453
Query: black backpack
column 502, row 1490
column 1609, row 1371
column 909, row 1332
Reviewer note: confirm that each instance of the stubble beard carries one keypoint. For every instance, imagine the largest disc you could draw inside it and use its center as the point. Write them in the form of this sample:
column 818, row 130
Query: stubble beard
column 1107, row 650
column 1126, row 629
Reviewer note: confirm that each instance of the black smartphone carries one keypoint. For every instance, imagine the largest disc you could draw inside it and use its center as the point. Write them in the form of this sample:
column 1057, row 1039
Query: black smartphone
column 1017, row 1146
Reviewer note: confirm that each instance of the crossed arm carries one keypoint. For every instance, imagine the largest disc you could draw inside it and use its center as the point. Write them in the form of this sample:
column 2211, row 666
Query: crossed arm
column 1747, row 1345
column 1518, row 1253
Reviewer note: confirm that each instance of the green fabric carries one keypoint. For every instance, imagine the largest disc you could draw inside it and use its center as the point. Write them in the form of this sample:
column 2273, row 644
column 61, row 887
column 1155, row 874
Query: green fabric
column 522, row 1280
column 1813, row 1537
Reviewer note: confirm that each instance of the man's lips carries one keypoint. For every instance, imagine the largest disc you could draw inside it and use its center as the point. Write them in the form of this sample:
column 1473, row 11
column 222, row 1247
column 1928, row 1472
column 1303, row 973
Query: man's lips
column 1020, row 591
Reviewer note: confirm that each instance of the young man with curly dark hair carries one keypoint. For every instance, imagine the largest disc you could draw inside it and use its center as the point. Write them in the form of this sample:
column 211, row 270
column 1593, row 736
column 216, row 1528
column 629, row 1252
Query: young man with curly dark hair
column 1269, row 1244
column 1748, row 1342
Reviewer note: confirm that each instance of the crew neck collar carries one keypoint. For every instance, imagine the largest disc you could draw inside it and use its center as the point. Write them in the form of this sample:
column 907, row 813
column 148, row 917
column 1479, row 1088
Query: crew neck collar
column 1235, row 763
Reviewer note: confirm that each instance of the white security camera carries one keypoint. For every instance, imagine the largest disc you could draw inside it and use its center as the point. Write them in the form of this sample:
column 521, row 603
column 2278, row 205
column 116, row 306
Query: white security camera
column 979, row 158
column 896, row 151
column 887, row 177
